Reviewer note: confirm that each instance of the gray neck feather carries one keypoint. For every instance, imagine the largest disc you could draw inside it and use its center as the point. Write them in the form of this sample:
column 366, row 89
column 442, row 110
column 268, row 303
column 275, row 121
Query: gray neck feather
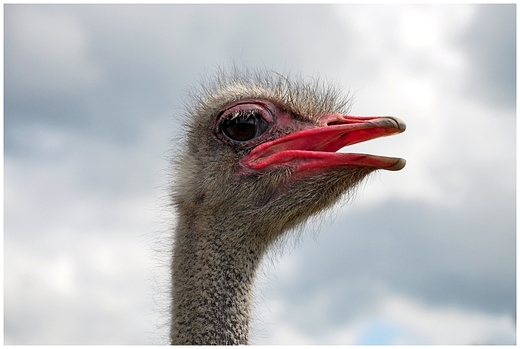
column 212, row 287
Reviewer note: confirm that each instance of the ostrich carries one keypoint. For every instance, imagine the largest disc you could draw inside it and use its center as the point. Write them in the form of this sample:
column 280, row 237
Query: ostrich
column 259, row 158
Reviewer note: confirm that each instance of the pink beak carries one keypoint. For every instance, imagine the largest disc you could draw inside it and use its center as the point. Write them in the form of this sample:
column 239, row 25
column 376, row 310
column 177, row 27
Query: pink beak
column 316, row 148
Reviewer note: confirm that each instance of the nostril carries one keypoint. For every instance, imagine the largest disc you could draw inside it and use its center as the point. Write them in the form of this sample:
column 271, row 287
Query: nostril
column 332, row 120
column 335, row 122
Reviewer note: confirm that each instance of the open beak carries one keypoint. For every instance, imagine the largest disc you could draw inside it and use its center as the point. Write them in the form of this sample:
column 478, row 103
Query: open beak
column 316, row 148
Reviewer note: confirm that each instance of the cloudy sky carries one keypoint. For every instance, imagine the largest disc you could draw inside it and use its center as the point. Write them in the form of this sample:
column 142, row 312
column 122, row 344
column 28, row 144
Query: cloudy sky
column 93, row 98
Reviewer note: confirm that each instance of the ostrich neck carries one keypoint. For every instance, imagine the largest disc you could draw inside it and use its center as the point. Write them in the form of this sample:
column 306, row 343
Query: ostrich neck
column 212, row 281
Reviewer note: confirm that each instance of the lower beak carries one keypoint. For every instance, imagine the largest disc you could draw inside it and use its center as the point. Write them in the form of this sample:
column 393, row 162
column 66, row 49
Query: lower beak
column 316, row 148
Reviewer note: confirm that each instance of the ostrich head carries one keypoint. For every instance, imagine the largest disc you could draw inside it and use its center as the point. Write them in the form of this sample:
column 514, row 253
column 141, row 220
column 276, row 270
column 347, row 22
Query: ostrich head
column 261, row 153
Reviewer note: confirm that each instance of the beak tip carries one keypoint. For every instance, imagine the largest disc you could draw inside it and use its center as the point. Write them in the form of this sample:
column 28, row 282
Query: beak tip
column 400, row 123
column 398, row 165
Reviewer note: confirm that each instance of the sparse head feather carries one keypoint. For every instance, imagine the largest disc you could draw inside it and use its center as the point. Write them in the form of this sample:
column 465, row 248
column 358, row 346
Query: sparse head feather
column 307, row 98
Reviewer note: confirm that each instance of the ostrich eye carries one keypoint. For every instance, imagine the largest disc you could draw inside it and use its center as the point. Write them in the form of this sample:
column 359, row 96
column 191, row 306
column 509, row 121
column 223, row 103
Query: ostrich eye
column 244, row 125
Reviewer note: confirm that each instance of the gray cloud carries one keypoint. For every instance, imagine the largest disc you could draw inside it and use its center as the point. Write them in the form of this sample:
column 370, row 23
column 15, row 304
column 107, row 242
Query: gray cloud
column 491, row 48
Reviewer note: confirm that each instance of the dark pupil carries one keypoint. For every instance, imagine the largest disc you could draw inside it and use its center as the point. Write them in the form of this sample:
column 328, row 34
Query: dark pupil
column 245, row 126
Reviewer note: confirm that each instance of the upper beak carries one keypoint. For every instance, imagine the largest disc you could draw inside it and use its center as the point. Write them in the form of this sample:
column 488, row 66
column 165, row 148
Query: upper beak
column 316, row 148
